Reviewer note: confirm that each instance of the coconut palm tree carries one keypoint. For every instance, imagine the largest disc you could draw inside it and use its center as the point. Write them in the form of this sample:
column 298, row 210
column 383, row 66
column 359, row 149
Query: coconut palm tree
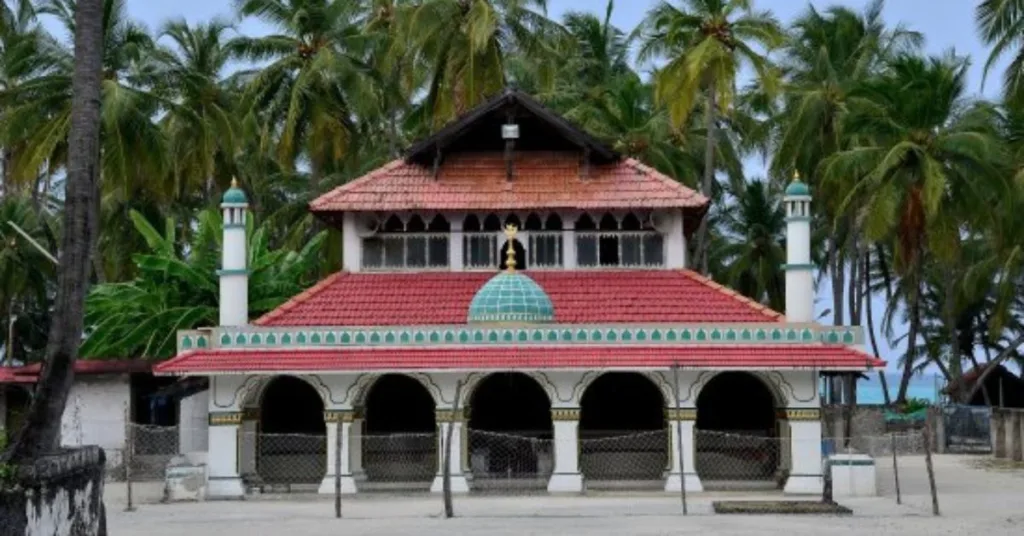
column 921, row 155
column 41, row 431
column 1001, row 24
column 201, row 122
column 752, row 248
column 706, row 43
column 465, row 45
column 311, row 80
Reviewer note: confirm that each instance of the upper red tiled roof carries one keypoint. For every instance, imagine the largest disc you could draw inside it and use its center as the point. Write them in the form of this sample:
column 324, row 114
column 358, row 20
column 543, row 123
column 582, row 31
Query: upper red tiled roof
column 579, row 297
column 477, row 181
column 491, row 358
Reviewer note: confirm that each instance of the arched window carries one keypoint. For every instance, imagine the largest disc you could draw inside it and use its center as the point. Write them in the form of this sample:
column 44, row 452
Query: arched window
column 614, row 242
column 409, row 243
column 480, row 241
column 545, row 241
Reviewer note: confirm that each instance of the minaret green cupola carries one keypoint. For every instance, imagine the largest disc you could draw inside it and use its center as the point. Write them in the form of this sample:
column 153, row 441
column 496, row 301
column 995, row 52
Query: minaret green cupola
column 511, row 296
column 799, row 268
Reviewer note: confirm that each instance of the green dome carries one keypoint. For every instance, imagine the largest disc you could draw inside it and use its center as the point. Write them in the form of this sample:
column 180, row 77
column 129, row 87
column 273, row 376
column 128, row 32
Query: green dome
column 234, row 195
column 511, row 297
column 797, row 187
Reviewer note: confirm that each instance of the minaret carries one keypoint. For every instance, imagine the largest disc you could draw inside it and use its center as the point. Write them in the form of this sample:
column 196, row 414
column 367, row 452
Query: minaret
column 234, row 272
column 799, row 269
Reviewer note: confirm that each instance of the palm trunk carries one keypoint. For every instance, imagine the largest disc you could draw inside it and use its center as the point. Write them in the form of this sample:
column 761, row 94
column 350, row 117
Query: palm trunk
column 915, row 324
column 865, row 275
column 838, row 283
column 707, row 183
column 956, row 369
column 41, row 431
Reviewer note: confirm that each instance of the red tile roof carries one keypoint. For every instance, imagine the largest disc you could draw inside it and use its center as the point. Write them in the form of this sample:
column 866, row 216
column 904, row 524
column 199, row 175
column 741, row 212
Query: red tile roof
column 521, row 357
column 579, row 297
column 477, row 181
column 30, row 373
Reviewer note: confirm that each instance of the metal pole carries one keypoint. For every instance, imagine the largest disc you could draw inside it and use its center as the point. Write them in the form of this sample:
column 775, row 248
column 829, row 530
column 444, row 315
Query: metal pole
column 446, row 474
column 129, row 440
column 679, row 438
column 895, row 467
column 931, row 469
column 337, row 468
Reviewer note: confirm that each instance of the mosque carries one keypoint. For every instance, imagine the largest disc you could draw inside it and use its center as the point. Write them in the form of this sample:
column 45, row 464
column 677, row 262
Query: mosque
column 516, row 287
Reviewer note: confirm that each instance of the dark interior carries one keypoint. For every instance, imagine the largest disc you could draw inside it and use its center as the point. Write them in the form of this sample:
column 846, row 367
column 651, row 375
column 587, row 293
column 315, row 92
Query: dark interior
column 397, row 403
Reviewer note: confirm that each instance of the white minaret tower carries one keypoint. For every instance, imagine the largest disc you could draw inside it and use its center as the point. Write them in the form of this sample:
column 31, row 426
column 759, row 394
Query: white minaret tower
column 234, row 272
column 799, row 269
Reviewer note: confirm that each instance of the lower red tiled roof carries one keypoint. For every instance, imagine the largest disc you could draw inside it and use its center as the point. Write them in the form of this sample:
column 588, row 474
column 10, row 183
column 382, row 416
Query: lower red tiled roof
column 477, row 181
column 30, row 373
column 522, row 357
column 579, row 297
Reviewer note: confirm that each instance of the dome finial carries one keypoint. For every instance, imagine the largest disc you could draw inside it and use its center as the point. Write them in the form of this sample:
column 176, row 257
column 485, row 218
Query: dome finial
column 796, row 175
column 234, row 182
column 510, row 253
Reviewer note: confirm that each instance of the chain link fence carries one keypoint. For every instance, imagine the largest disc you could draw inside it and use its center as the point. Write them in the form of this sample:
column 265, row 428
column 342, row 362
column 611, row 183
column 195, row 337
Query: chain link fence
column 400, row 461
column 624, row 459
column 510, row 462
column 737, row 459
column 285, row 462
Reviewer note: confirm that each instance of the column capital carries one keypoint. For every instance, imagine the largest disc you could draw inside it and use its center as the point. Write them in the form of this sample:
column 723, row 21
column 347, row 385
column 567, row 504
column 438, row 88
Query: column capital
column 681, row 414
column 450, row 415
column 339, row 415
column 798, row 414
column 251, row 413
column 565, row 414
column 225, row 418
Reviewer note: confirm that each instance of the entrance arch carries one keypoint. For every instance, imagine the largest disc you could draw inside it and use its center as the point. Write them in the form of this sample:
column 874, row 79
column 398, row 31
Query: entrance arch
column 292, row 437
column 399, row 436
column 510, row 433
column 623, row 432
column 737, row 433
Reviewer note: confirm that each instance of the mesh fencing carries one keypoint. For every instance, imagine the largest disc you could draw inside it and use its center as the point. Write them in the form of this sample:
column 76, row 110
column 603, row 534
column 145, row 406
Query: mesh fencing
column 624, row 456
column 729, row 459
column 288, row 460
column 409, row 459
column 509, row 462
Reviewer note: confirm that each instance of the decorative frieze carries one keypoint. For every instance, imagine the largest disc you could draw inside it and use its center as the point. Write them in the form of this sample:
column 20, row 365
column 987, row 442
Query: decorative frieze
column 567, row 334
column 681, row 414
column 225, row 418
column 565, row 414
column 798, row 414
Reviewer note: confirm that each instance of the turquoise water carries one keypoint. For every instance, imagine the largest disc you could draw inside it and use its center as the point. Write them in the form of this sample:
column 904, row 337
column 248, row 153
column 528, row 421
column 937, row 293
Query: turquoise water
column 926, row 387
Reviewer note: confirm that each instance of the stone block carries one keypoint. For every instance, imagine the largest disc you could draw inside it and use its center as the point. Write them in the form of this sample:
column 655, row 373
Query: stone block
column 853, row 475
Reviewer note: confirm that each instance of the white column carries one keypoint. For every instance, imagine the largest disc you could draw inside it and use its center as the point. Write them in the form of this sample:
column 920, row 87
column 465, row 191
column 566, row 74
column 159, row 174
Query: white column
column 233, row 307
column 355, row 451
column 458, row 478
column 222, row 478
column 455, row 258
column 569, row 241
column 674, row 241
column 566, row 477
column 687, row 466
column 805, row 451
column 338, row 421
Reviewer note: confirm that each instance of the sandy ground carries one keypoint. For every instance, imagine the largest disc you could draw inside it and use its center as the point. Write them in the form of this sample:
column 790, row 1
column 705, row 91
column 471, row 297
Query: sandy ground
column 975, row 497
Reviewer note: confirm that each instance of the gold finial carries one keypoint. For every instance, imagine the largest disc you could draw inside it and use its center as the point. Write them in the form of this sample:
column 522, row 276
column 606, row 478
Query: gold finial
column 510, row 254
column 796, row 175
column 234, row 182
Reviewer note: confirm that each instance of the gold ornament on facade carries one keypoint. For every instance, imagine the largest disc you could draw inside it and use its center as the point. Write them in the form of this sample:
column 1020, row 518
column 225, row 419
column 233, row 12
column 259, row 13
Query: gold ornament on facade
column 565, row 414
column 681, row 414
column 339, row 416
column 225, row 418
column 510, row 253
column 798, row 414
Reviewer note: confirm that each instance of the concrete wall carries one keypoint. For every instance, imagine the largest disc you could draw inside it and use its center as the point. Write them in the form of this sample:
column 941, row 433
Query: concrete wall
column 193, row 423
column 56, row 495
column 95, row 414
column 1008, row 434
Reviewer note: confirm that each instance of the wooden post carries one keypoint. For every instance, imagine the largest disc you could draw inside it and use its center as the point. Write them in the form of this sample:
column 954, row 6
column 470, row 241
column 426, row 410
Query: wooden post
column 679, row 438
column 931, row 469
column 895, row 467
column 129, row 441
column 446, row 475
column 337, row 468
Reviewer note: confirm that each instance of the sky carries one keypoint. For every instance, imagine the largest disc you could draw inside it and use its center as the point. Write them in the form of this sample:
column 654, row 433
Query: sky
column 946, row 25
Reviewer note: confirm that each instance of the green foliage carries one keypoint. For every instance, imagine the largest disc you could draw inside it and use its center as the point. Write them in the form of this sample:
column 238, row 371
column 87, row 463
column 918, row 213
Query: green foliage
column 177, row 288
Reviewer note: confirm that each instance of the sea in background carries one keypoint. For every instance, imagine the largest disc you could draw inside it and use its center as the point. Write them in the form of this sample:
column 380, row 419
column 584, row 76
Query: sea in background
column 923, row 386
